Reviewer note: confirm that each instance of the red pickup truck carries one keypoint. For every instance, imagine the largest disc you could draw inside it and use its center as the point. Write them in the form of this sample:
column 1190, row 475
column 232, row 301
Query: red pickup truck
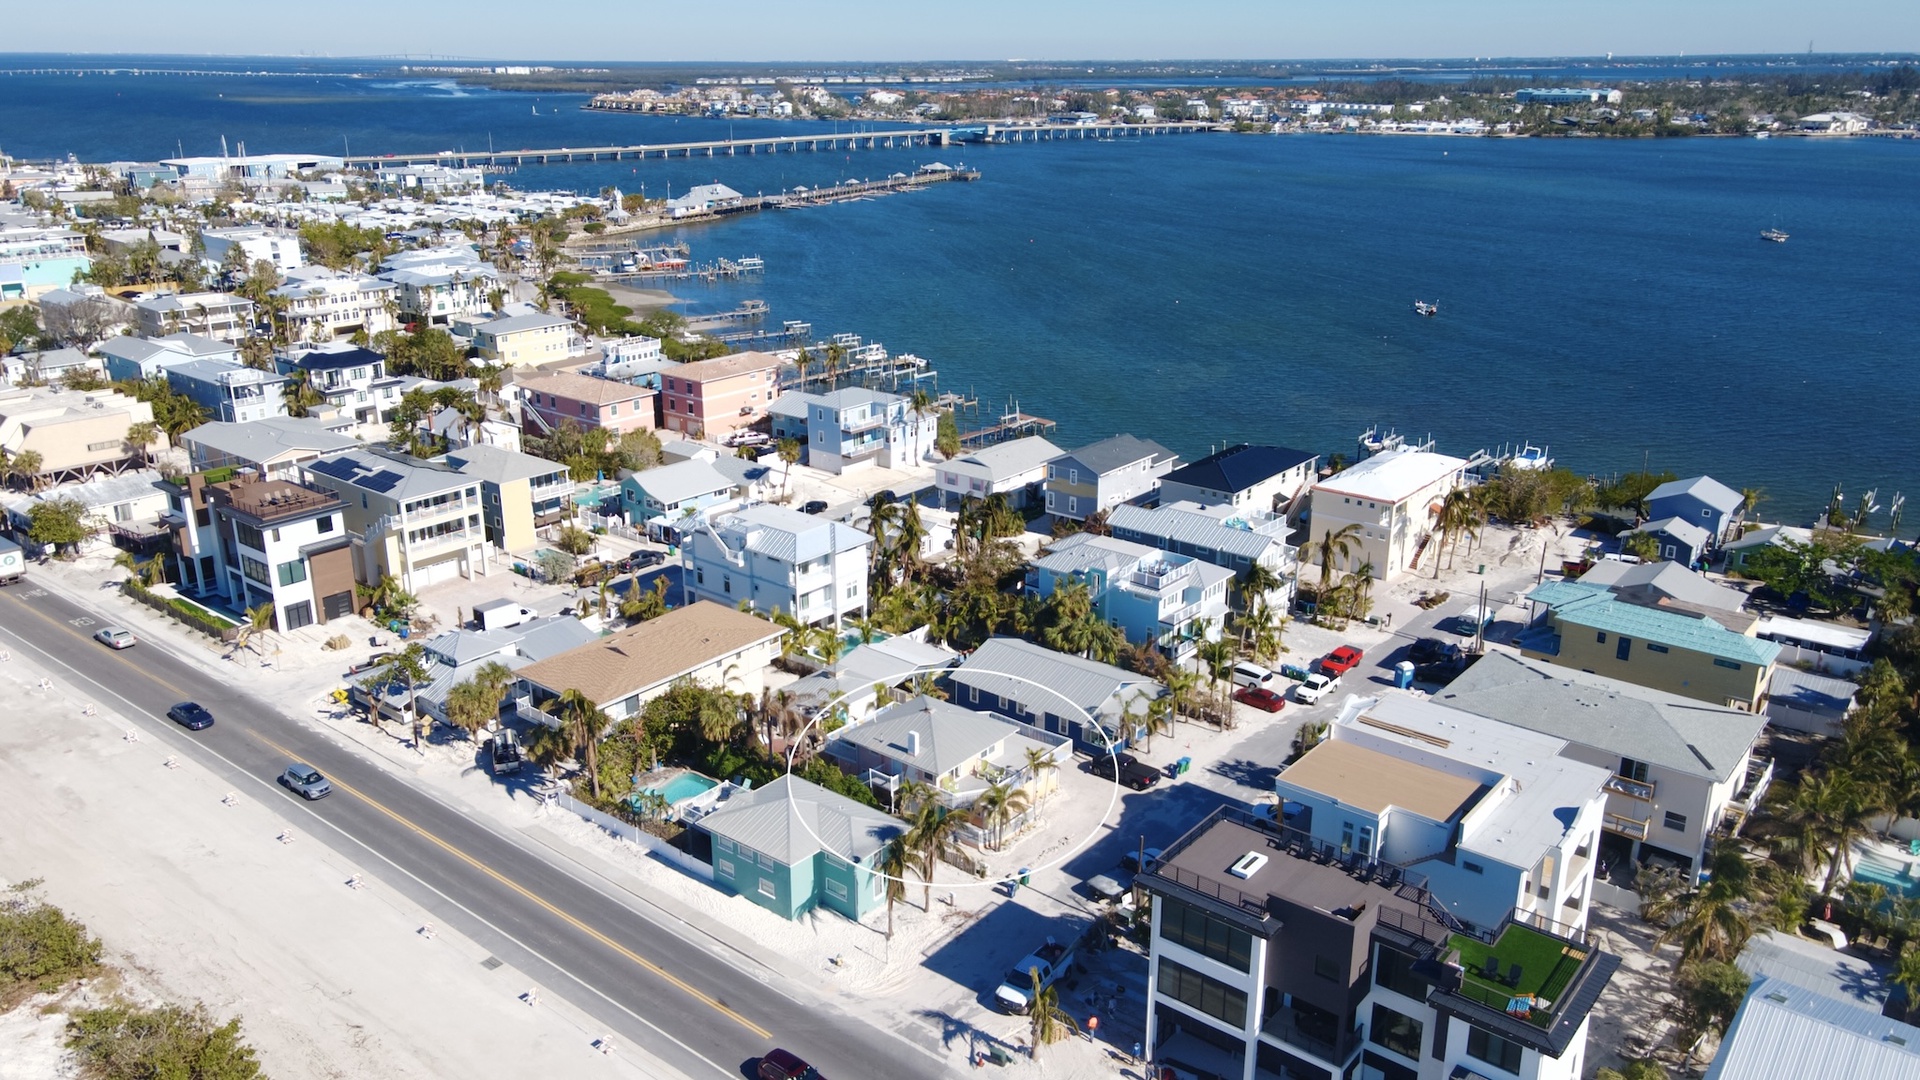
column 1341, row 660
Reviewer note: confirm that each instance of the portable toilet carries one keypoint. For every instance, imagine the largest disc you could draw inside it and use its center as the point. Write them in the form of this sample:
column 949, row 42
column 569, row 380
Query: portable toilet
column 1403, row 674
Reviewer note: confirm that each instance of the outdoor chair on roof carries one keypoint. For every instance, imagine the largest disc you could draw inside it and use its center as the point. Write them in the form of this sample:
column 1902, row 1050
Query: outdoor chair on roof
column 1514, row 972
column 1492, row 968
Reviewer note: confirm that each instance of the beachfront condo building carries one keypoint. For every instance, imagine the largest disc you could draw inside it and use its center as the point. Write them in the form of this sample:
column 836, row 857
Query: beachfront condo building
column 586, row 401
column 710, row 399
column 1393, row 500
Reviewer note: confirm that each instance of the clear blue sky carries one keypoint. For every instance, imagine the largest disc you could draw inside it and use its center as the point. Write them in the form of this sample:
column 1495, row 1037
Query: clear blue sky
column 808, row 30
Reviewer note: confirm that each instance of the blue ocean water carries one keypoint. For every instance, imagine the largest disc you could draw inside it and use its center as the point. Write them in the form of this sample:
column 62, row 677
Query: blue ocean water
column 1610, row 299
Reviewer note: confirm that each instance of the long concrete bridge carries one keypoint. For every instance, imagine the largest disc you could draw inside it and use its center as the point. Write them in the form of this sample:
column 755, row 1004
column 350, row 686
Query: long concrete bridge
column 782, row 144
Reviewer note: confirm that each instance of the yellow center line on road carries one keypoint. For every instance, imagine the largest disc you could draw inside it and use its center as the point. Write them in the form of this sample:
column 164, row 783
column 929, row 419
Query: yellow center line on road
column 564, row 916
column 436, row 840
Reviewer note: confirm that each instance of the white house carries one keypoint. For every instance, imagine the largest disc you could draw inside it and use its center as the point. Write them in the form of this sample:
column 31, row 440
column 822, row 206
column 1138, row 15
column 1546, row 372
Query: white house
column 1393, row 497
column 1016, row 469
column 778, row 559
column 855, row 428
column 323, row 305
column 255, row 244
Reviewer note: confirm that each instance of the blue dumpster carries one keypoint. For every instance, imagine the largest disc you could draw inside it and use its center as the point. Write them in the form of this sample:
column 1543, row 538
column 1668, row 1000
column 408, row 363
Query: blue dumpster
column 1182, row 765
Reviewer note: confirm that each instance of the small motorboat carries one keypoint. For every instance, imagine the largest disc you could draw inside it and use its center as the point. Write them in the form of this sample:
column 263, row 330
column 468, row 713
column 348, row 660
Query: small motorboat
column 1773, row 235
column 1421, row 307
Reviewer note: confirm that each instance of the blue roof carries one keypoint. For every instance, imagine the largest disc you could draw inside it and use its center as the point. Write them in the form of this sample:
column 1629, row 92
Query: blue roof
column 1596, row 606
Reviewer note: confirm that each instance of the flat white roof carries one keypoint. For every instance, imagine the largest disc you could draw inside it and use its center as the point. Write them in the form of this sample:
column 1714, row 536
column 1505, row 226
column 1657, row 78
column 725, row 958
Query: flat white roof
column 1832, row 635
column 1392, row 476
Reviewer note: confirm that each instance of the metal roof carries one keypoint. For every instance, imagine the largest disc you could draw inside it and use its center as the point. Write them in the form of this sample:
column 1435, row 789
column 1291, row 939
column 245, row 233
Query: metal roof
column 948, row 736
column 1595, row 606
column 1705, row 488
column 792, row 820
column 395, row 475
column 1011, row 458
column 1392, row 475
column 1813, row 966
column 1666, row 578
column 1677, row 527
column 495, row 465
column 1687, row 736
column 266, row 439
column 680, row 481
column 786, row 535
column 1788, row 1032
column 1041, row 678
column 1186, row 526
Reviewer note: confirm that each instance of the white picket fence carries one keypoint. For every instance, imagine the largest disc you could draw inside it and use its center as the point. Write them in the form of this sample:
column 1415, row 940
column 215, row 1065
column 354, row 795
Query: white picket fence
column 646, row 841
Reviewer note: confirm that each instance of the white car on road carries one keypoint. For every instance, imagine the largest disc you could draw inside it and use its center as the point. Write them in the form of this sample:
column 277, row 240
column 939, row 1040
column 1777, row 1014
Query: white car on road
column 1317, row 686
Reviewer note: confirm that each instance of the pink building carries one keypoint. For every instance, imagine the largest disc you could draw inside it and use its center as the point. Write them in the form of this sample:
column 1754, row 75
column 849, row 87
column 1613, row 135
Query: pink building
column 713, row 398
column 547, row 401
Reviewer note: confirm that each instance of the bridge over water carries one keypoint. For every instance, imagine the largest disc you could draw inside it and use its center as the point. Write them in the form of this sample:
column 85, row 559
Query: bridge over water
column 783, row 144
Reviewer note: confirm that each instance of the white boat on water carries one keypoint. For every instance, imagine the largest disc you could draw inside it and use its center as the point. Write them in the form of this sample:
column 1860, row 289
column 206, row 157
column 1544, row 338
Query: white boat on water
column 1421, row 307
column 1773, row 235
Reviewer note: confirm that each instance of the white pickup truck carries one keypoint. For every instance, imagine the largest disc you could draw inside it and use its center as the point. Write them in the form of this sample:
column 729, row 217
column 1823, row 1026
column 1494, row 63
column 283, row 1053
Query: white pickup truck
column 1046, row 964
column 1318, row 685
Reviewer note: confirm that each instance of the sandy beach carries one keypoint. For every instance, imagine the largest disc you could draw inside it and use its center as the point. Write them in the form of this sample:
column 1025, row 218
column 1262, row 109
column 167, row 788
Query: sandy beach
column 641, row 301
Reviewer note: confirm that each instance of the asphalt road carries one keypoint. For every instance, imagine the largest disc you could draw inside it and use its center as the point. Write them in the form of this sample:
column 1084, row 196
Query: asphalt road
column 681, row 997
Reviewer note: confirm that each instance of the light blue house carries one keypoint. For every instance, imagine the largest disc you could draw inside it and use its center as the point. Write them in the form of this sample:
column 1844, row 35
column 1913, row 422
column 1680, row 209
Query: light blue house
column 1676, row 539
column 855, row 427
column 138, row 358
column 232, row 392
column 1699, row 500
column 673, row 491
column 1152, row 596
column 793, row 846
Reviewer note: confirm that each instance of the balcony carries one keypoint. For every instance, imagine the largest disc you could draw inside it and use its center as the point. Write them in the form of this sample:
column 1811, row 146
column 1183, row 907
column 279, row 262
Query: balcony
column 1534, row 984
column 1314, row 1031
column 1631, row 788
column 1626, row 826
column 855, row 427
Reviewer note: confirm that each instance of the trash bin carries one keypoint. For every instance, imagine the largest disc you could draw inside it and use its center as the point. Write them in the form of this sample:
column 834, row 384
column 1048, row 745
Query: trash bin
column 1182, row 765
column 1026, row 875
column 1483, row 569
column 1403, row 674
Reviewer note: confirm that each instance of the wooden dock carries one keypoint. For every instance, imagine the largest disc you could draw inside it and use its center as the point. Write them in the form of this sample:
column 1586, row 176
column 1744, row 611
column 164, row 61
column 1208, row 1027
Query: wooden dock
column 752, row 204
column 1012, row 425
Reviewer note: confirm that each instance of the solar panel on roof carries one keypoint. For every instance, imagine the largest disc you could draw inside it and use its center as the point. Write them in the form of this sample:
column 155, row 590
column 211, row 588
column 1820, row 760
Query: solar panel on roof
column 341, row 467
column 382, row 481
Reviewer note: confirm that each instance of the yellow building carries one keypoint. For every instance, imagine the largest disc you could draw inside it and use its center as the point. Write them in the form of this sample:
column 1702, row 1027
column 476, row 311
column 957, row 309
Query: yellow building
column 1393, row 499
column 1660, row 643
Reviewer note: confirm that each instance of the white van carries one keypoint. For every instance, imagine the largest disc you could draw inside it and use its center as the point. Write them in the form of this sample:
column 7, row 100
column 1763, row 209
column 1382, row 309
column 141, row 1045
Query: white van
column 1246, row 673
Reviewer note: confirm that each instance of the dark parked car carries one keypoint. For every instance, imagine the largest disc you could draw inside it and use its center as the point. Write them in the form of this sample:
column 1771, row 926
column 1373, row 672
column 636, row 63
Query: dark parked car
column 1130, row 862
column 1443, row 672
column 785, row 1065
column 1126, row 769
column 814, row 506
column 640, row 560
column 1430, row 650
column 1260, row 698
column 191, row 715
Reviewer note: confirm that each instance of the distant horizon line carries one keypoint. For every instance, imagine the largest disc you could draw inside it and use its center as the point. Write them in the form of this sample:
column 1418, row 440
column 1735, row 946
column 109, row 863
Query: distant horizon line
column 399, row 58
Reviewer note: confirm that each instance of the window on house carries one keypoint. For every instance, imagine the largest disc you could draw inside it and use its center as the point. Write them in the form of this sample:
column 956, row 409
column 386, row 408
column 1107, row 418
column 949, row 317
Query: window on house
column 766, row 888
column 836, row 890
column 1494, row 1050
column 1197, row 991
column 323, row 523
column 1728, row 664
column 1191, row 928
column 1396, row 1031
column 1393, row 970
column 1633, row 770
column 1651, row 647
column 1676, row 822
column 1600, row 637
column 973, row 695
column 1472, row 867
column 291, row 573
column 1623, row 650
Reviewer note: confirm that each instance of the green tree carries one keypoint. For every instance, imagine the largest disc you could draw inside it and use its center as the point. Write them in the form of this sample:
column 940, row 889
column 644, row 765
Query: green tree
column 1906, row 976
column 41, row 948
column 1641, row 545
column 1708, row 994
column 1334, row 547
column 24, row 466
column 931, row 835
column 475, row 703
column 583, row 723
column 892, row 865
column 61, row 523
column 408, row 668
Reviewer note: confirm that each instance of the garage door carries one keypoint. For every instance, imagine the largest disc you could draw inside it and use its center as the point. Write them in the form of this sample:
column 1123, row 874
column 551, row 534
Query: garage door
column 337, row 606
column 435, row 573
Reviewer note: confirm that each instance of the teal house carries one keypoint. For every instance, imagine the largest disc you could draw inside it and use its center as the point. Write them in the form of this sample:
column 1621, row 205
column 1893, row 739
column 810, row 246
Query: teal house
column 793, row 846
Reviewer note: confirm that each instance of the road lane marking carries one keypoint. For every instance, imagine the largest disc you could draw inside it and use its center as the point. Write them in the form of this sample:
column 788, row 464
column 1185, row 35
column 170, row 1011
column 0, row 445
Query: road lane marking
column 570, row 920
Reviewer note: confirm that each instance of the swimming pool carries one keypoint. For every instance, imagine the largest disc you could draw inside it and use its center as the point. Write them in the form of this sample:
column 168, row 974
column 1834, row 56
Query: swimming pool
column 1894, row 877
column 686, row 786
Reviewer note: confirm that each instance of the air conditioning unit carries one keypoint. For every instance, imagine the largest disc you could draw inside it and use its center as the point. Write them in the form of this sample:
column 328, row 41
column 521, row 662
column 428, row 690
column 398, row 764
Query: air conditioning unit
column 1247, row 865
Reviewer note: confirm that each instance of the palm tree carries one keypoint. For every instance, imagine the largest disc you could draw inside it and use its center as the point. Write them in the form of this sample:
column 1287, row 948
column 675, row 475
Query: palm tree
column 892, row 866
column 1456, row 517
column 408, row 666
column 989, row 811
column 789, row 451
column 26, row 465
column 475, row 703
column 1047, row 1022
column 1906, row 975
column 1218, row 656
column 582, row 721
column 1040, row 761
column 1360, row 591
column 1256, row 582
column 930, row 836
column 836, row 355
column 142, row 435
column 1337, row 544
column 1712, row 918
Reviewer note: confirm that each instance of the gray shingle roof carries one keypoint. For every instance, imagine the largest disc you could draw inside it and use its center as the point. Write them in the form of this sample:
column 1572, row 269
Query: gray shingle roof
column 1238, row 468
column 1677, row 733
column 792, row 820
column 1666, row 579
column 496, row 465
column 1118, row 452
column 1679, row 528
column 1040, row 678
column 1013, row 457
